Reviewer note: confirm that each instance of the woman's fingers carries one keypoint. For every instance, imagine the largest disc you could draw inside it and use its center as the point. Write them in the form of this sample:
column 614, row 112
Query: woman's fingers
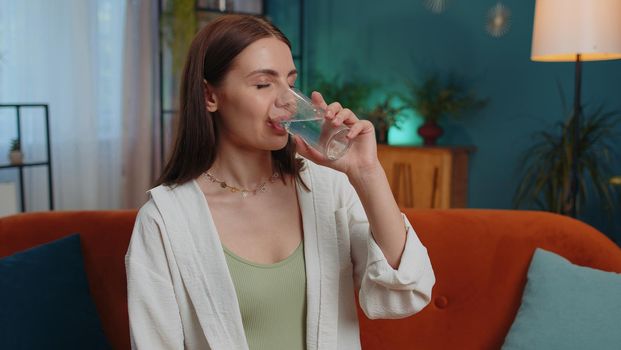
column 318, row 100
column 345, row 116
column 334, row 111
column 359, row 127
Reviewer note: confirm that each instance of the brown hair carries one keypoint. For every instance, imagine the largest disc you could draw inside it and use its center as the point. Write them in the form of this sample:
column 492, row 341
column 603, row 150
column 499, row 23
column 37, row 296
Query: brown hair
column 210, row 57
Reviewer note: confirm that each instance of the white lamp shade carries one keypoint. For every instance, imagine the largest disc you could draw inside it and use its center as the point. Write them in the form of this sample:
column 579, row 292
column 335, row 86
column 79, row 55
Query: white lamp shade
column 564, row 28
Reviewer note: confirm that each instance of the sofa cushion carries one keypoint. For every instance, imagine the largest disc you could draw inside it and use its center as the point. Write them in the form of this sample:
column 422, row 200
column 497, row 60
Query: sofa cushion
column 45, row 301
column 566, row 306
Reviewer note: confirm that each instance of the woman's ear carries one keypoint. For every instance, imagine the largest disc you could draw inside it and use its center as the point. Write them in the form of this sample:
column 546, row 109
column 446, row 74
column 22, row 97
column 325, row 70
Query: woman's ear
column 209, row 94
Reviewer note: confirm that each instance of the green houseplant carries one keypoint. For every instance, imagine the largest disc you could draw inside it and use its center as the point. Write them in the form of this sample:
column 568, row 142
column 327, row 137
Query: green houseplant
column 15, row 153
column 353, row 93
column 546, row 165
column 383, row 116
column 439, row 96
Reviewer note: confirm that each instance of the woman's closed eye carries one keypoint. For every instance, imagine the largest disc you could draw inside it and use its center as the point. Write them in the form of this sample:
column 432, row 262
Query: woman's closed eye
column 262, row 86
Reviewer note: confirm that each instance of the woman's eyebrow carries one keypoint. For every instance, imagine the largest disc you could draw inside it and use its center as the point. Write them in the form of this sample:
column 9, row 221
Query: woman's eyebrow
column 271, row 72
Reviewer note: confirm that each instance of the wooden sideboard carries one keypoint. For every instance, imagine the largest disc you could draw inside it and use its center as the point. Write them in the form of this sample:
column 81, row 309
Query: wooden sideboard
column 427, row 177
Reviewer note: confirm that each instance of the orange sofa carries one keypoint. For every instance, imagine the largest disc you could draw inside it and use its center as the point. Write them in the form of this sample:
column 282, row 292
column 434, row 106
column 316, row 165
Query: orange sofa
column 480, row 258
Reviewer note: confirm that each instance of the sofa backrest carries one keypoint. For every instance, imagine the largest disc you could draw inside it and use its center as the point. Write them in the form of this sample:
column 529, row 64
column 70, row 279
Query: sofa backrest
column 480, row 258
column 105, row 238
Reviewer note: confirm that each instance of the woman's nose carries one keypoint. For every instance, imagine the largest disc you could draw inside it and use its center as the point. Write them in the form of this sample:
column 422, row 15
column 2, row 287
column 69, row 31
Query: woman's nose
column 285, row 100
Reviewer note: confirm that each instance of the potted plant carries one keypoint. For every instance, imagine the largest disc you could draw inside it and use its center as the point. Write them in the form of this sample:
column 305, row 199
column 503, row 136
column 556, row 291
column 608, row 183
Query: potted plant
column 15, row 155
column 437, row 97
column 383, row 116
column 546, row 165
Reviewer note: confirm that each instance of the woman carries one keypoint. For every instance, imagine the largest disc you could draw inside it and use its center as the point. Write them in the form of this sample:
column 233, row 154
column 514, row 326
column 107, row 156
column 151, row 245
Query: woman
column 246, row 245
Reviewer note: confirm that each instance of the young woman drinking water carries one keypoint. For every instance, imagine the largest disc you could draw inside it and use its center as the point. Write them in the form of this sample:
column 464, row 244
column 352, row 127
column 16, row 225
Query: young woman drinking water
column 254, row 240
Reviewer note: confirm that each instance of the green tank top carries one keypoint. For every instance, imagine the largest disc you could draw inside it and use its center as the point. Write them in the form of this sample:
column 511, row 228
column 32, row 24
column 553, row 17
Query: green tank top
column 272, row 300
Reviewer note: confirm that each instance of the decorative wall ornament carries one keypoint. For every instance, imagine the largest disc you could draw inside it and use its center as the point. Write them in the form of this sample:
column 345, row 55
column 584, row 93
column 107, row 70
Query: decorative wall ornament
column 498, row 20
column 435, row 6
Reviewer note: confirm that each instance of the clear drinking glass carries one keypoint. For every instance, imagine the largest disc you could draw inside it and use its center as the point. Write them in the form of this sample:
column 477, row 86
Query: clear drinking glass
column 299, row 116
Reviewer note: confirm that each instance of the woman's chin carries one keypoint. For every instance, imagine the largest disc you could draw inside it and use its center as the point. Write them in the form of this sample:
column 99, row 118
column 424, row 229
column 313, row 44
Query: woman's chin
column 273, row 145
column 280, row 145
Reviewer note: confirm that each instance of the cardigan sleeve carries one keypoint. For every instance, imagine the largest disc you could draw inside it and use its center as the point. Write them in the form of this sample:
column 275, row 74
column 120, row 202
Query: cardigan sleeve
column 385, row 292
column 154, row 318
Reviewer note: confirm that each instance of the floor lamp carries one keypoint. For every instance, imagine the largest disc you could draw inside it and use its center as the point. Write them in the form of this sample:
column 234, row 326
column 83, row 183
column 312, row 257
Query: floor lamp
column 576, row 31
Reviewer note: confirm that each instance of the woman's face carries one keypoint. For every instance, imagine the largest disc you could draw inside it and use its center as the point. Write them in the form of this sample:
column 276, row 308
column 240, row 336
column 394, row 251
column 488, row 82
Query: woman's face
column 258, row 75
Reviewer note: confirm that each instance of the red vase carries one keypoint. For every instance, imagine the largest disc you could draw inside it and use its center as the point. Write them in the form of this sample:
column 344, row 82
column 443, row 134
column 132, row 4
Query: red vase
column 430, row 131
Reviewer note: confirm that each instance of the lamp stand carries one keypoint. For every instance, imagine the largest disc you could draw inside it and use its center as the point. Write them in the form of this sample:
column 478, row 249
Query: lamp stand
column 572, row 197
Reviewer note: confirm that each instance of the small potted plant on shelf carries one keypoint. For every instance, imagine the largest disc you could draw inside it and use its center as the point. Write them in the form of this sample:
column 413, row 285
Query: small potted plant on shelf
column 437, row 97
column 383, row 116
column 15, row 155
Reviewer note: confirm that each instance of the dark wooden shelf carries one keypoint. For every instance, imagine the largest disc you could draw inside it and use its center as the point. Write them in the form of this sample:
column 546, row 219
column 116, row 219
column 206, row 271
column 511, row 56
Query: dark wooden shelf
column 23, row 165
column 47, row 163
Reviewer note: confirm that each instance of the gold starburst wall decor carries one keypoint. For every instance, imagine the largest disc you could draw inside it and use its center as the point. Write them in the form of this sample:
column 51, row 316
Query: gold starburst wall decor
column 435, row 6
column 498, row 20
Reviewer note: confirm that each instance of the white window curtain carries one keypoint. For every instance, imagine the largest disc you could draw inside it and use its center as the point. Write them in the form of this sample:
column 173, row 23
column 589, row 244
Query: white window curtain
column 73, row 55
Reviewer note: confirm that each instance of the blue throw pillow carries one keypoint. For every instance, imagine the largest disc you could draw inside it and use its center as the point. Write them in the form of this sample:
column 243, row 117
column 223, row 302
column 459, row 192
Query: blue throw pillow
column 45, row 301
column 566, row 306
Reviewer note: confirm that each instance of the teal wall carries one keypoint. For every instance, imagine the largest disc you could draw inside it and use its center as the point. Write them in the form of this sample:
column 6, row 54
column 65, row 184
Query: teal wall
column 392, row 41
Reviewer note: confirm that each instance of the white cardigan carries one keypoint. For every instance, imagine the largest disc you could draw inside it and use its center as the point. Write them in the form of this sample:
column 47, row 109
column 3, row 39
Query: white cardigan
column 180, row 293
